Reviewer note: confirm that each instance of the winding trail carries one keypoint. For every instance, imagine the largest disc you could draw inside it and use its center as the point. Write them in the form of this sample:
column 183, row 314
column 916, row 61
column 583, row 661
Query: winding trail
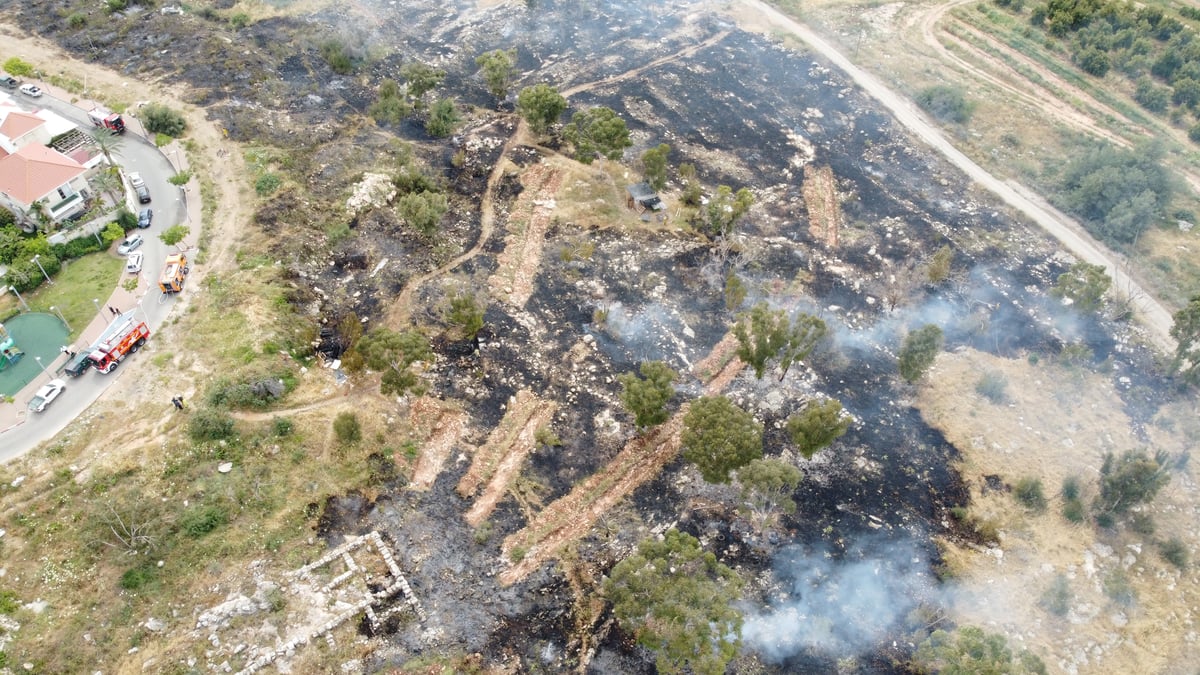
column 1068, row 232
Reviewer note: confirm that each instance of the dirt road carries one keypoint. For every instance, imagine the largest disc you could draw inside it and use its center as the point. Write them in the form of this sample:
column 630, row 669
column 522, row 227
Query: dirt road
column 1068, row 232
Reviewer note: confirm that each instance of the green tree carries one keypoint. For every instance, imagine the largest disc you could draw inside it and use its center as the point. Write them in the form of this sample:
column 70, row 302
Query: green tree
column 540, row 105
column 106, row 142
column 654, row 165
column 719, row 437
column 724, row 210
column 174, row 234
column 443, row 118
column 338, row 56
column 1131, row 479
column 1186, row 332
column 1152, row 96
column 160, row 119
column 647, row 396
column 1084, row 285
column 1117, row 192
column 678, row 601
column 817, row 425
column 421, row 78
column 597, row 132
column 465, row 314
column 422, row 210
column 919, row 351
column 767, row 488
column 17, row 67
column 1093, row 61
column 970, row 651
column 498, row 67
column 393, row 354
column 764, row 335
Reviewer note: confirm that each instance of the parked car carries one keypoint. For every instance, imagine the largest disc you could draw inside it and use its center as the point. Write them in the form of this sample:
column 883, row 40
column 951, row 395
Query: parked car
column 135, row 179
column 129, row 244
column 30, row 90
column 145, row 217
column 9, row 82
column 133, row 264
column 143, row 195
column 46, row 395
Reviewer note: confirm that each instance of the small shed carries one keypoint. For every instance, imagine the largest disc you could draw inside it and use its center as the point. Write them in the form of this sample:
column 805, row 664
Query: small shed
column 642, row 198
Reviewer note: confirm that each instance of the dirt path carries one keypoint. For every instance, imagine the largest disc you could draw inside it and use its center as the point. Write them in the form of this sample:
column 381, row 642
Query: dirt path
column 264, row 416
column 1068, row 232
column 398, row 315
column 682, row 53
column 528, row 221
column 821, row 202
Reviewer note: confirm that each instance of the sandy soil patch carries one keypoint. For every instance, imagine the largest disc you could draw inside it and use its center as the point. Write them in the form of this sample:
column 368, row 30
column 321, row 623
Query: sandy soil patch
column 820, row 199
column 442, row 426
column 501, row 457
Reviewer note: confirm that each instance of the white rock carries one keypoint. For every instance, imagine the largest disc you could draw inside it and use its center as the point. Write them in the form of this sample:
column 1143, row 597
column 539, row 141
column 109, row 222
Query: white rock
column 225, row 467
column 155, row 625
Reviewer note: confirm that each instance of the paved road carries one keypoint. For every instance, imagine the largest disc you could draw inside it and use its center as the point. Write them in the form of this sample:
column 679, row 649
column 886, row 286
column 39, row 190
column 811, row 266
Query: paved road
column 1068, row 232
column 134, row 153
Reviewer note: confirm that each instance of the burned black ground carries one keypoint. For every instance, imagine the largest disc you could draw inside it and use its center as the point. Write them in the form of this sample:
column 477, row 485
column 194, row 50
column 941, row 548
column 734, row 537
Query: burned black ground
column 733, row 109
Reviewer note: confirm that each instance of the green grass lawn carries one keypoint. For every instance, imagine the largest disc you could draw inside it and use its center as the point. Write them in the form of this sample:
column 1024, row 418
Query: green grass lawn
column 93, row 276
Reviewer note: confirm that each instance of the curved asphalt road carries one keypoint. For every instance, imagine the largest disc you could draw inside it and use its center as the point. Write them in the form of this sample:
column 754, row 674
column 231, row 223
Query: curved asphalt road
column 134, row 153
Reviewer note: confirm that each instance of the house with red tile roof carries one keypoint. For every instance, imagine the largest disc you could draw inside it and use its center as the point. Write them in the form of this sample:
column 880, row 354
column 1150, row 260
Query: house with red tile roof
column 31, row 173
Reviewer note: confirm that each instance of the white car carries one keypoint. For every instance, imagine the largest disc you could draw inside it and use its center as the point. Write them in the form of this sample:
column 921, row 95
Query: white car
column 46, row 395
column 135, row 179
column 133, row 264
column 129, row 244
column 30, row 90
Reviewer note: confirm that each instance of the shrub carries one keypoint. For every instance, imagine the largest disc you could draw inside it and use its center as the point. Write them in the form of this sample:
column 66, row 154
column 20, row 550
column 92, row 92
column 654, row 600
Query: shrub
column 76, row 20
column 200, row 520
column 208, row 424
column 945, row 103
column 239, row 20
column 1028, row 491
column 267, row 183
column 992, row 385
column 347, row 428
column 1142, row 523
column 1174, row 551
column 282, row 426
column 443, row 118
column 1118, row 588
column 17, row 67
column 337, row 55
column 8, row 602
column 160, row 119
column 1057, row 598
column 180, row 178
column 137, row 577
column 1070, row 488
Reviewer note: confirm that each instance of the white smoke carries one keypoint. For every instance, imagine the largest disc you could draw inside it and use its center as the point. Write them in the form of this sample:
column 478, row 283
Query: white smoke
column 841, row 605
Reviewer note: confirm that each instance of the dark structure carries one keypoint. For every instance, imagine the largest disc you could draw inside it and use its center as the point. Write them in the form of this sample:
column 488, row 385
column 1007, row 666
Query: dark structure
column 642, row 198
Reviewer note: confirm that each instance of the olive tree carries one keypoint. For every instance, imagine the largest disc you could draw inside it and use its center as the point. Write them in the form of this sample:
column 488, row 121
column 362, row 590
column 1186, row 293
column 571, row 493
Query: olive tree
column 919, row 351
column 767, row 487
column 817, row 425
column 719, row 437
column 597, row 132
column 497, row 67
column 766, row 335
column 1186, row 332
column 647, row 396
column 1083, row 285
column 678, row 600
column 540, row 106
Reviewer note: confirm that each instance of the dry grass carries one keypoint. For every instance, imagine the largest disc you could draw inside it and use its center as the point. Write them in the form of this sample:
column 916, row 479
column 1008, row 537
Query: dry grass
column 1056, row 424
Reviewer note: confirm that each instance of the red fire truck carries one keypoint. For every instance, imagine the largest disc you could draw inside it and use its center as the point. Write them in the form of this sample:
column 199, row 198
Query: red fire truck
column 101, row 117
column 123, row 337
